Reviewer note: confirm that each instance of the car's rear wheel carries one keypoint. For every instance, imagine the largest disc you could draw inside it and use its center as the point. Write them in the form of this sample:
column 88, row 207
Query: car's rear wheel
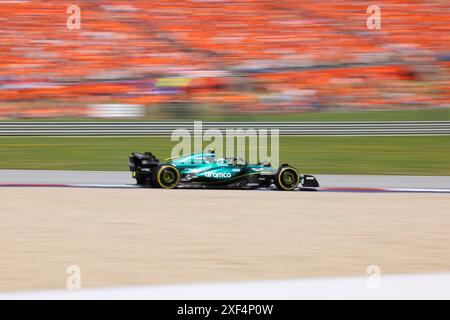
column 287, row 179
column 166, row 177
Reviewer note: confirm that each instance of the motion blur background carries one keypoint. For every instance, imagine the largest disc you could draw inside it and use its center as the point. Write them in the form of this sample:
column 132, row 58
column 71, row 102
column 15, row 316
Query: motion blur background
column 219, row 61
column 211, row 58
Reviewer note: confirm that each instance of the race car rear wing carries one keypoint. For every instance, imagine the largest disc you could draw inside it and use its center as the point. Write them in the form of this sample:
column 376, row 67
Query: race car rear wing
column 139, row 161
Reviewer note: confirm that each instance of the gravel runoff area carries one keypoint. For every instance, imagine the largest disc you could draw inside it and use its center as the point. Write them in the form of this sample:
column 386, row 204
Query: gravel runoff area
column 144, row 237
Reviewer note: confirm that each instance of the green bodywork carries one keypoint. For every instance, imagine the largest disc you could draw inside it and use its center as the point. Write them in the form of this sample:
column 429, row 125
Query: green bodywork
column 206, row 168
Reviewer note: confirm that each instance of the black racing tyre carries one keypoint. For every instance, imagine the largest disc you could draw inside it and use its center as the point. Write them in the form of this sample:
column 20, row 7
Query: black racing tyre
column 166, row 177
column 287, row 179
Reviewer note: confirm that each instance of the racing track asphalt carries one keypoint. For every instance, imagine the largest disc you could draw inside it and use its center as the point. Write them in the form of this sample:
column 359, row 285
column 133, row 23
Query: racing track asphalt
column 118, row 178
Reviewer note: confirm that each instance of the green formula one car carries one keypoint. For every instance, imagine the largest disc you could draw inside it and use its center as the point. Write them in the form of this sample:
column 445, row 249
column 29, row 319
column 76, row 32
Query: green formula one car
column 205, row 170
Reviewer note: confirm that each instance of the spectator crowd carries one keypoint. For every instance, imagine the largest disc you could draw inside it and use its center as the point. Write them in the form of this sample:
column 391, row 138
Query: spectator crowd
column 180, row 57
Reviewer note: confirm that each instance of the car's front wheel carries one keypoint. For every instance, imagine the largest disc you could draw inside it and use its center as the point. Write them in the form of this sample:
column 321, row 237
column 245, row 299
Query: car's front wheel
column 287, row 179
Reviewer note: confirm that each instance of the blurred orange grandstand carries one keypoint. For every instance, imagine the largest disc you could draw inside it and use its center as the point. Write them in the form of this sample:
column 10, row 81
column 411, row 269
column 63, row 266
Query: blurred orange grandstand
column 176, row 57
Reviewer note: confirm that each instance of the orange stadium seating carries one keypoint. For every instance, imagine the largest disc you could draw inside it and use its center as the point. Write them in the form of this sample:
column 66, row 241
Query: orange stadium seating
column 226, row 55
